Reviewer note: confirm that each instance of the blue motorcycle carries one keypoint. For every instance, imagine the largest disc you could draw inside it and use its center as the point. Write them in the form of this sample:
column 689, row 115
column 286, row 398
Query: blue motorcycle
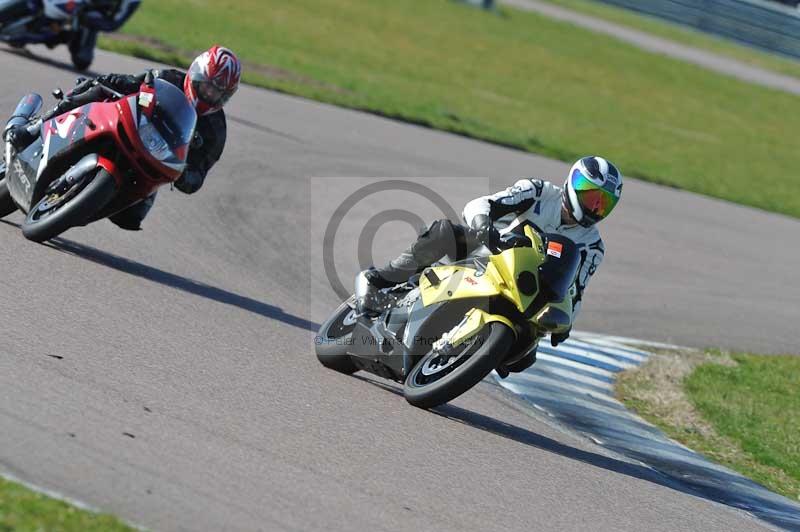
column 75, row 23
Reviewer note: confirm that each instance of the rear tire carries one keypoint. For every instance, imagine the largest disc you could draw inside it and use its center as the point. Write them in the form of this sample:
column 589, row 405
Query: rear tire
column 333, row 338
column 7, row 205
column 95, row 194
column 490, row 344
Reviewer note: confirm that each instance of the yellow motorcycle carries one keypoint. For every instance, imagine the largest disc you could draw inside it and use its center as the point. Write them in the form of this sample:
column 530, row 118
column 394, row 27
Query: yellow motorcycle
column 445, row 330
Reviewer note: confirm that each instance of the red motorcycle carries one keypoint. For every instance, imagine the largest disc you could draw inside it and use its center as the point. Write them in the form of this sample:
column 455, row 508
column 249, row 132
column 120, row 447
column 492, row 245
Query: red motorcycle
column 96, row 160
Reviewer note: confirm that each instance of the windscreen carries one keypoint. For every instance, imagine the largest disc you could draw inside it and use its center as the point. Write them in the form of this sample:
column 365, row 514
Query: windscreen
column 174, row 117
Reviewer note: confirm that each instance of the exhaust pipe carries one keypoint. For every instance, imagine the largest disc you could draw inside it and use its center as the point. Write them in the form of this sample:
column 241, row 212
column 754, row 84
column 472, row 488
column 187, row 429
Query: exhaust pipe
column 26, row 108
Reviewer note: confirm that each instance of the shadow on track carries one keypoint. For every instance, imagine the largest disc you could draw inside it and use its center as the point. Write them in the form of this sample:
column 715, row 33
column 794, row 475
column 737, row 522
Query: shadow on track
column 526, row 437
column 179, row 282
column 532, row 439
column 27, row 54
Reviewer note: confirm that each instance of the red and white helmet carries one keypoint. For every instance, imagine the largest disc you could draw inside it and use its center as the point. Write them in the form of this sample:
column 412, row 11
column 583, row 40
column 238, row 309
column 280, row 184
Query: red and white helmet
column 212, row 79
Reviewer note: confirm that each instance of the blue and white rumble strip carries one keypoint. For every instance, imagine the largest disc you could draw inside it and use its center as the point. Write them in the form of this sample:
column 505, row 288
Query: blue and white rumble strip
column 584, row 365
column 574, row 384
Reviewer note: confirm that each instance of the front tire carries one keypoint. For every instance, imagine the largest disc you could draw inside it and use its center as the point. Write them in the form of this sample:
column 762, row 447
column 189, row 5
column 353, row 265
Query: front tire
column 75, row 207
column 333, row 338
column 433, row 382
column 80, row 64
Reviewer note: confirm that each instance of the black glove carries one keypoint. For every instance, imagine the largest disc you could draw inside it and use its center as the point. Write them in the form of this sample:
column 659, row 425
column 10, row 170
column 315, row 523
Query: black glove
column 485, row 231
column 81, row 85
column 190, row 182
column 112, row 80
column 557, row 338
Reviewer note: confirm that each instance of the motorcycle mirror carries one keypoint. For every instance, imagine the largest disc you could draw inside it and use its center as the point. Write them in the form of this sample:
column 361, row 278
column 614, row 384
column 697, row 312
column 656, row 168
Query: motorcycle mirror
column 58, row 94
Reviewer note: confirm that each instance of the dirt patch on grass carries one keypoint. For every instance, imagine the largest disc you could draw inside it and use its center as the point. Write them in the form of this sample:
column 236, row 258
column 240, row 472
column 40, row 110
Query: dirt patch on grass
column 655, row 391
column 659, row 384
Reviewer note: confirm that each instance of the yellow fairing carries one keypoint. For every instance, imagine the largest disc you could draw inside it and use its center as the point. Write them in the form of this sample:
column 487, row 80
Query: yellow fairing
column 499, row 278
column 459, row 282
column 474, row 321
column 456, row 282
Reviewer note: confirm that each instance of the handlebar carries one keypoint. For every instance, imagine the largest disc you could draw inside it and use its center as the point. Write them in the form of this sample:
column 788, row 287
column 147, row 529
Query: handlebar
column 84, row 85
column 513, row 240
column 509, row 241
column 109, row 90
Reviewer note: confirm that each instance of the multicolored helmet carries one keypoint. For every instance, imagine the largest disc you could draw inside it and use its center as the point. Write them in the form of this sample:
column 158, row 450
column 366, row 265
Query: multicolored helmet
column 592, row 190
column 212, row 79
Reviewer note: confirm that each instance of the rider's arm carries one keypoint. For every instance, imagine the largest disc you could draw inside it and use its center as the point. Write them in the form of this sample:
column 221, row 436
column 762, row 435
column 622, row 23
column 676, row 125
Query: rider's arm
column 516, row 199
column 212, row 129
column 591, row 257
column 122, row 83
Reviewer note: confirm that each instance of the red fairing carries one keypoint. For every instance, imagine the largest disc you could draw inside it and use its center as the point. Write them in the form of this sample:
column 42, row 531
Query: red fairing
column 109, row 166
column 153, row 172
column 87, row 129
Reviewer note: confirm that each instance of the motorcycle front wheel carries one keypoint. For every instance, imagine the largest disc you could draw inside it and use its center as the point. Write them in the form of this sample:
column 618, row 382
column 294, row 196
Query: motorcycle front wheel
column 333, row 338
column 441, row 376
column 55, row 213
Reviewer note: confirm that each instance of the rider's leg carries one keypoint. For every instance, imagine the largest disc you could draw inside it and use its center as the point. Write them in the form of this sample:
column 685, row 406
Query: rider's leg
column 441, row 238
column 131, row 218
column 21, row 136
column 11, row 11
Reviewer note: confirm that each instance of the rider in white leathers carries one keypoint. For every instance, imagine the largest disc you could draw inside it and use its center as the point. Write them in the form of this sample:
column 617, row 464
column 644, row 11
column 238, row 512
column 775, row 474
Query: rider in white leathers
column 541, row 203
column 591, row 190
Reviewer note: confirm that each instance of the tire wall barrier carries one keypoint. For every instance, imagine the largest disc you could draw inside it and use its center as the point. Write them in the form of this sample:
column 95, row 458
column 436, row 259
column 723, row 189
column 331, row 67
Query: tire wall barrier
column 762, row 24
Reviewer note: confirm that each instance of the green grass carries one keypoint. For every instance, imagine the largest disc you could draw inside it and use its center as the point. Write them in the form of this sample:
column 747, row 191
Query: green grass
column 514, row 78
column 741, row 410
column 756, row 404
column 685, row 35
column 22, row 510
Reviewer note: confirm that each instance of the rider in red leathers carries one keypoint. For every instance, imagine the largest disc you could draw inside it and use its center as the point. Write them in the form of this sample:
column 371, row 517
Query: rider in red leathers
column 210, row 82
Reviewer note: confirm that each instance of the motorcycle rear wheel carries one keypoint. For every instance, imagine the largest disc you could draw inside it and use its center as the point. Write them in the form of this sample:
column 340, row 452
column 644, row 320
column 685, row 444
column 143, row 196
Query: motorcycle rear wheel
column 437, row 378
column 7, row 205
column 85, row 199
column 332, row 339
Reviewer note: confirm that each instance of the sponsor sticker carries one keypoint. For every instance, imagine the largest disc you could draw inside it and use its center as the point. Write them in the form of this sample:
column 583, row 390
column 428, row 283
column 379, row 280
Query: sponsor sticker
column 555, row 249
column 145, row 99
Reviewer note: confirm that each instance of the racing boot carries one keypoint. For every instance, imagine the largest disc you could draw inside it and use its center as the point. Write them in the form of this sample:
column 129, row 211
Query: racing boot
column 518, row 365
column 131, row 218
column 19, row 131
column 21, row 136
column 441, row 238
column 368, row 286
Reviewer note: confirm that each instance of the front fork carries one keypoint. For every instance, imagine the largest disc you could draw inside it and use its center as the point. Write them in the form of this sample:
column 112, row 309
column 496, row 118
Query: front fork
column 79, row 171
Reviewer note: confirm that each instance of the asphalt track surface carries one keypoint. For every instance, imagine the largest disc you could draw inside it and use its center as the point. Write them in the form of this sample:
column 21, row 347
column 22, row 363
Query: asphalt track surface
column 168, row 376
